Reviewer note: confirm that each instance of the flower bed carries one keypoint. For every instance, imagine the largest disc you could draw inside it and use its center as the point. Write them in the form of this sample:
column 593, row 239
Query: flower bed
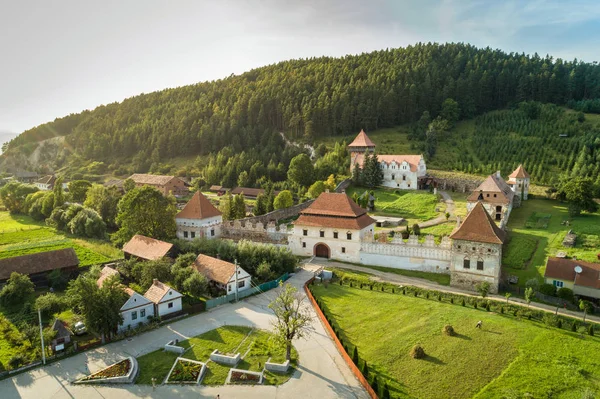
column 120, row 369
column 186, row 371
column 237, row 376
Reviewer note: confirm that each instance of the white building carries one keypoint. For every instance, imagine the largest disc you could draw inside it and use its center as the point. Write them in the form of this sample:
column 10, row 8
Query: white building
column 222, row 274
column 495, row 195
column 165, row 299
column 199, row 218
column 46, row 183
column 519, row 182
column 399, row 171
column 333, row 226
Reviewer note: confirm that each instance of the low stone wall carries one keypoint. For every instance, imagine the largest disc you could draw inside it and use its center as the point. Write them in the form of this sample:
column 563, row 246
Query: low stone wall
column 171, row 347
column 218, row 357
column 255, row 373
column 127, row 379
column 243, row 229
column 463, row 184
column 277, row 367
column 182, row 359
column 277, row 214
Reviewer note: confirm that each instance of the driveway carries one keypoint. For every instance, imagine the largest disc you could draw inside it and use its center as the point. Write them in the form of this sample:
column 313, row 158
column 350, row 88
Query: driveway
column 321, row 372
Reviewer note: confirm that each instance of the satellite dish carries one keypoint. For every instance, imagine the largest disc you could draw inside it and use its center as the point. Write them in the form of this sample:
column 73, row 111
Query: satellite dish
column 578, row 269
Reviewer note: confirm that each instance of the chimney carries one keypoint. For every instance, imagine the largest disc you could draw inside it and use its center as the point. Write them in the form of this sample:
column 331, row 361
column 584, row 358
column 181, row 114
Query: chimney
column 154, row 281
column 457, row 221
column 498, row 174
column 327, row 190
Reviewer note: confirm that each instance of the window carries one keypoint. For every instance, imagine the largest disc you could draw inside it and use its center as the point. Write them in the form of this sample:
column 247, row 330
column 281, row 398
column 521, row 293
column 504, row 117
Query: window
column 473, row 248
column 193, row 233
column 170, row 305
column 343, row 250
column 143, row 313
column 479, row 265
column 466, row 264
column 185, row 234
column 489, row 250
column 458, row 246
column 398, row 185
column 241, row 284
column 321, row 233
column 304, row 232
column 212, row 232
column 134, row 315
column 335, row 234
column 494, row 195
column 403, row 178
column 558, row 284
column 229, row 288
column 303, row 245
column 488, row 195
column 408, row 185
column 349, row 236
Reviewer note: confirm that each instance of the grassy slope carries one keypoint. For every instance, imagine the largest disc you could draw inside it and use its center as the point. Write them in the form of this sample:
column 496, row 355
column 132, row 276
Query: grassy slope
column 227, row 340
column 507, row 355
column 528, row 249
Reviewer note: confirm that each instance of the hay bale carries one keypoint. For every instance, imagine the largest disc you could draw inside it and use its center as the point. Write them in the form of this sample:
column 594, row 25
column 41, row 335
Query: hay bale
column 448, row 330
column 417, row 352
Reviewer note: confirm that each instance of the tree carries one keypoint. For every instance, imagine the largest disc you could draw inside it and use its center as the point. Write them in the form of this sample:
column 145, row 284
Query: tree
column 447, row 215
column 243, row 179
column 196, row 285
column 372, row 173
column 13, row 195
column 316, row 189
column 357, row 176
column 103, row 200
column 586, row 306
column 301, row 170
column 450, row 111
column 145, row 272
column 87, row 223
column 579, row 193
column 283, row 200
column 292, row 321
column 17, row 290
column 128, row 185
column 263, row 271
column 51, row 303
column 78, row 190
column 483, row 288
column 239, row 207
column 227, row 206
column 507, row 296
column 529, row 295
column 59, row 195
column 145, row 211
column 48, row 203
column 261, row 205
column 416, row 229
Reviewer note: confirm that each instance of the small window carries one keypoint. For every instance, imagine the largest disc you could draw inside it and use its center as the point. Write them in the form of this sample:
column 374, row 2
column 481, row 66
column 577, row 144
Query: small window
column 193, row 233
column 466, row 264
column 170, row 305
column 349, row 236
column 241, row 284
column 458, row 246
column 185, row 234
column 403, row 178
column 393, row 177
column 303, row 245
column 558, row 284
column 321, row 233
column 494, row 195
column 212, row 232
column 134, row 315
column 343, row 250
column 473, row 248
column 335, row 234
column 479, row 265
column 487, row 195
column 489, row 250
column 398, row 185
column 143, row 313
column 229, row 288
column 408, row 185
column 304, row 232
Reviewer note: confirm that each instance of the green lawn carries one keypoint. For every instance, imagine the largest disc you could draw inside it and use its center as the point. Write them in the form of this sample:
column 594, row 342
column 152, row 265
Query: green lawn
column 415, row 206
column 442, row 279
column 508, row 358
column 255, row 346
column 529, row 247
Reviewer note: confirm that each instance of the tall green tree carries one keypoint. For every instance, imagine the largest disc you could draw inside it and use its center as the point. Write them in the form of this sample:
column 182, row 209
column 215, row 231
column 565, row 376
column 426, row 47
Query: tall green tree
column 373, row 175
column 13, row 195
column 579, row 192
column 59, row 194
column 301, row 170
column 78, row 190
column 283, row 200
column 104, row 200
column 450, row 111
column 145, row 211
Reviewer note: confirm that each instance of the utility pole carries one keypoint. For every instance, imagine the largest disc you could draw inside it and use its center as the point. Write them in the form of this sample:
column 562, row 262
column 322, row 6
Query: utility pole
column 236, row 279
column 42, row 336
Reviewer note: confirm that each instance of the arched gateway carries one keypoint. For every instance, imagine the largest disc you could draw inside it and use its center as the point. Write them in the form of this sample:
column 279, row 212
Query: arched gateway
column 322, row 251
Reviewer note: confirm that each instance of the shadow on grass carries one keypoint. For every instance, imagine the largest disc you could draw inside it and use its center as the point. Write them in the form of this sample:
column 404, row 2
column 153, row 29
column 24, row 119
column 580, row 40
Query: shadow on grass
column 462, row 336
column 491, row 332
column 433, row 359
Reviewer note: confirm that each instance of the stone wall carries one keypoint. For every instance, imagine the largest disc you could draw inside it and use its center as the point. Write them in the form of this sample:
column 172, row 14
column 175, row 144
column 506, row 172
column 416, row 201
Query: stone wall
column 243, row 229
column 277, row 215
column 462, row 184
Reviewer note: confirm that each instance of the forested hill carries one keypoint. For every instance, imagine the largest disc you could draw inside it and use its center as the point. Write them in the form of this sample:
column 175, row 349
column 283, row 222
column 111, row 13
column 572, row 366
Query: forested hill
column 313, row 97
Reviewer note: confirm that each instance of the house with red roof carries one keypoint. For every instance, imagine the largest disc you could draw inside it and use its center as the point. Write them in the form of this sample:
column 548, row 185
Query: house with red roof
column 399, row 171
column 331, row 227
column 495, row 195
column 518, row 181
column 198, row 219
column 581, row 277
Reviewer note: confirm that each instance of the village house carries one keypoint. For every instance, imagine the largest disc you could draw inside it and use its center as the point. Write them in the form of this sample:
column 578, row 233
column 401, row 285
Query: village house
column 399, row 171
column 331, row 227
column 165, row 299
column 62, row 337
column 38, row 265
column 46, row 183
column 583, row 278
column 146, row 248
column 518, row 181
column 251, row 193
column 477, row 250
column 26, row 177
column 223, row 275
column 136, row 310
column 165, row 184
column 495, row 195
column 198, row 219
column 219, row 190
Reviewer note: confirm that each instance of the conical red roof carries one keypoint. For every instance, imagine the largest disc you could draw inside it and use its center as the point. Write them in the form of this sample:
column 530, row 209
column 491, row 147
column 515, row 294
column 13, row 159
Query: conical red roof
column 519, row 173
column 479, row 227
column 362, row 140
column 199, row 207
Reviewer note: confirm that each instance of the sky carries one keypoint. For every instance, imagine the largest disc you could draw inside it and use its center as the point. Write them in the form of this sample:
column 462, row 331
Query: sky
column 61, row 57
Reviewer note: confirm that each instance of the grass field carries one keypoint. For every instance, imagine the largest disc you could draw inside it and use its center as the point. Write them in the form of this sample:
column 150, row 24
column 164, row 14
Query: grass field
column 415, row 206
column 507, row 358
column 21, row 235
column 255, row 346
column 529, row 247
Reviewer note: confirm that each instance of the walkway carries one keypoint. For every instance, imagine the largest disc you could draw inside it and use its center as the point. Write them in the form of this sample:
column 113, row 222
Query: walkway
column 321, row 373
column 442, row 218
column 398, row 279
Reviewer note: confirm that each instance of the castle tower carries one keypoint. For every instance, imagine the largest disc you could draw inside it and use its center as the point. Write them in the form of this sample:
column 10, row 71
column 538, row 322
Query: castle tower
column 361, row 144
column 519, row 182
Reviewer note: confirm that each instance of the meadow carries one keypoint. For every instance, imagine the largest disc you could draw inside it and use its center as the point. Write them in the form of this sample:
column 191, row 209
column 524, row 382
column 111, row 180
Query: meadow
column 537, row 230
column 256, row 347
column 509, row 357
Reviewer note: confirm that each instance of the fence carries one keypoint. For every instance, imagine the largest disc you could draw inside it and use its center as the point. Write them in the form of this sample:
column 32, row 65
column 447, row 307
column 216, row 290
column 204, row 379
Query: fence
column 211, row 303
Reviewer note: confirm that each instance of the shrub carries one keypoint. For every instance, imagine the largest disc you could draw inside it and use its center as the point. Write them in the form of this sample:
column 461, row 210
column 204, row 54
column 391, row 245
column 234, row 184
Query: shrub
column 371, row 287
column 566, row 294
column 451, row 300
column 559, row 323
column 528, row 316
column 16, row 361
column 417, row 352
column 375, row 385
column 532, row 283
column 463, row 303
column 351, row 285
column 403, row 291
column 386, row 392
column 515, row 313
column 340, row 281
column 393, row 291
column 550, row 319
column 548, row 289
column 487, row 306
column 365, row 369
column 355, row 356
column 440, row 298
column 591, row 330
column 416, row 293
column 382, row 288
column 448, row 330
column 501, row 310
column 475, row 305
column 427, row 295
column 574, row 326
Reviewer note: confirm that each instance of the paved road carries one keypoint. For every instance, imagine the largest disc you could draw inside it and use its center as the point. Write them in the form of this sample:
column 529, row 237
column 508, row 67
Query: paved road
column 321, row 372
column 422, row 283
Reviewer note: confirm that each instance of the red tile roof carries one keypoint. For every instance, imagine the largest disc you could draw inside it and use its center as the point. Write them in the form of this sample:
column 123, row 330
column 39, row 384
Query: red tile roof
column 478, row 226
column 335, row 222
column 564, row 269
column 520, row 173
column 362, row 140
column 494, row 184
column 106, row 273
column 411, row 160
column 147, row 248
column 199, row 207
column 151, row 180
column 335, row 210
column 157, row 292
column 214, row 269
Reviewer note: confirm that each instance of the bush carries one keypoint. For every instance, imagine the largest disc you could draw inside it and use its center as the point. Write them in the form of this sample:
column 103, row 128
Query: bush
column 365, row 369
column 440, row 298
column 448, row 330
column 574, row 326
column 416, row 293
column 17, row 289
column 427, row 295
column 16, row 361
column 355, row 356
column 566, row 294
column 559, row 323
column 463, row 303
column 591, row 330
column 548, row 289
column 532, row 283
column 501, row 309
column 403, row 291
column 451, row 300
column 382, row 288
column 417, row 352
column 375, row 385
column 475, row 305
column 487, row 306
